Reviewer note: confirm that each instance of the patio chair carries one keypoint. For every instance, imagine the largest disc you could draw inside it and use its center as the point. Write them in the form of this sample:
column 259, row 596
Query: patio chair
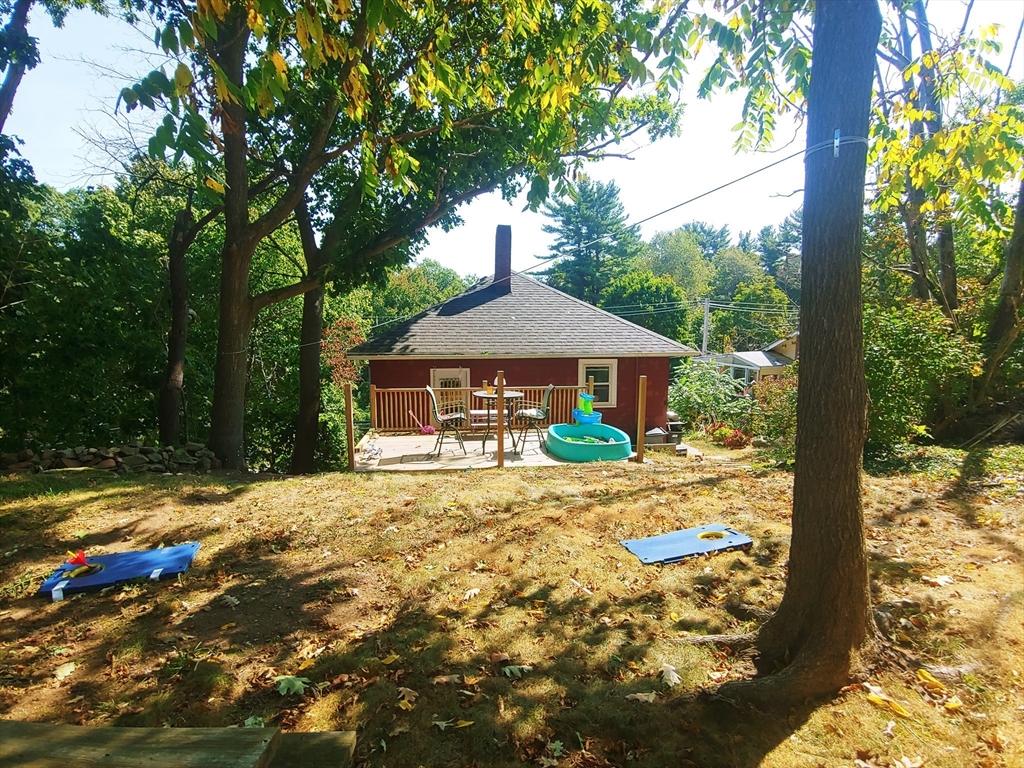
column 532, row 414
column 451, row 416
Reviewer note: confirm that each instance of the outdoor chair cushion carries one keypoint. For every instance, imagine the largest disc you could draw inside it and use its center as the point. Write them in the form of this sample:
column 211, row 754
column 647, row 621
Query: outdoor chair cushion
column 456, row 416
column 531, row 413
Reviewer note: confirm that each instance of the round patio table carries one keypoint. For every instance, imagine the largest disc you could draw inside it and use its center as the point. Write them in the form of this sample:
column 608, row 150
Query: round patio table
column 510, row 395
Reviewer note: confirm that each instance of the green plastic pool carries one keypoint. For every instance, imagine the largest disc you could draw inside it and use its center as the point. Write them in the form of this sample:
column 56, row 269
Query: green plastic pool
column 570, row 442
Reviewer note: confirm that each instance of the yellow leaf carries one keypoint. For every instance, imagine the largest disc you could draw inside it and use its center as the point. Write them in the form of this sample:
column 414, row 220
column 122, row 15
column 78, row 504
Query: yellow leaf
column 279, row 63
column 182, row 79
column 674, row 616
column 953, row 704
column 215, row 185
column 390, row 659
column 306, row 664
column 463, row 723
column 302, row 29
column 232, row 624
column 928, row 682
column 407, row 705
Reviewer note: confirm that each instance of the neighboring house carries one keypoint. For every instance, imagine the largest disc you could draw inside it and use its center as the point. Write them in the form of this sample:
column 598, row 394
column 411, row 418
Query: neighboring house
column 534, row 333
column 749, row 367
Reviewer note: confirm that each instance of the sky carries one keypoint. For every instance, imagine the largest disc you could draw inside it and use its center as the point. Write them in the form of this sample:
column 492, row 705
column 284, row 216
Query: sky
column 72, row 94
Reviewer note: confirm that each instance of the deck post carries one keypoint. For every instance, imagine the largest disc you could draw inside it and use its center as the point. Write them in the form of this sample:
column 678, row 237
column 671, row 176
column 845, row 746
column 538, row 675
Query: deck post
column 350, row 428
column 590, row 385
column 641, row 418
column 373, row 407
column 499, row 415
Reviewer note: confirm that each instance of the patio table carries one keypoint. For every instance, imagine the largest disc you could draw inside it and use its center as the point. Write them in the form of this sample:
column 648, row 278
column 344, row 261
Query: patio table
column 510, row 395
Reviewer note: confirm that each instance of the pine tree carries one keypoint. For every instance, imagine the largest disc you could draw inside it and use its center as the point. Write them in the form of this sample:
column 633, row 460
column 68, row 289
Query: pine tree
column 594, row 244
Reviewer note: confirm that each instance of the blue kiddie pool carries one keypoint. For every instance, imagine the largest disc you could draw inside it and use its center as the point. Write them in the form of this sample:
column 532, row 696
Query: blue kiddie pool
column 588, row 442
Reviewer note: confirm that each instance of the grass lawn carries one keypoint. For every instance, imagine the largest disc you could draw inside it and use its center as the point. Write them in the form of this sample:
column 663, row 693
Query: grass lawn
column 492, row 618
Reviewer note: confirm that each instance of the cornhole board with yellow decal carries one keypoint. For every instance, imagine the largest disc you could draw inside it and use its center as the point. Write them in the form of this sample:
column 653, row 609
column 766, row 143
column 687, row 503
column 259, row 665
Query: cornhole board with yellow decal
column 691, row 542
column 110, row 569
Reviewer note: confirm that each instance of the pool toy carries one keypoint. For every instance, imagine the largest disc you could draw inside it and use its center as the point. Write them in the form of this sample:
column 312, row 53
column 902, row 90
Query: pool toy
column 584, row 413
column 588, row 442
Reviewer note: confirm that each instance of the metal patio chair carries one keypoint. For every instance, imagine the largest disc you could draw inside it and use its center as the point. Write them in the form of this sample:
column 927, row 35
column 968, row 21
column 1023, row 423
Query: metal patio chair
column 531, row 415
column 450, row 416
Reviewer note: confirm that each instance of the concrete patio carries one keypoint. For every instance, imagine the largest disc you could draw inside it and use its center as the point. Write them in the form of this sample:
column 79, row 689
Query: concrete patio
column 411, row 452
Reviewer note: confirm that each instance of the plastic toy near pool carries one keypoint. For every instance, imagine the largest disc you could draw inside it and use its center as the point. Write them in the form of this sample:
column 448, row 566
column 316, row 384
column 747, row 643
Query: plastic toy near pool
column 588, row 442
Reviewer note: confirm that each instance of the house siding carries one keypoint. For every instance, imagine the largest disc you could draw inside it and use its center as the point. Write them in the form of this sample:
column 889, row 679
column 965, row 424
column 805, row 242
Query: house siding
column 533, row 372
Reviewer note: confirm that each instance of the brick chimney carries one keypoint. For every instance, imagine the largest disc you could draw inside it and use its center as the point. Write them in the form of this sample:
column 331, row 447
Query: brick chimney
column 503, row 259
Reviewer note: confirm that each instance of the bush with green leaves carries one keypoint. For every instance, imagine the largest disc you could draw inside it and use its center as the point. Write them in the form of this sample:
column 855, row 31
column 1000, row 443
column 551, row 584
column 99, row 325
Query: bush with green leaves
column 916, row 364
column 703, row 394
column 773, row 418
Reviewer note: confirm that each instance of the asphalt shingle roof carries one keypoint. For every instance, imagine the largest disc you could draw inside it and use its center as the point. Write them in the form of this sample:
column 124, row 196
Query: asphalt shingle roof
column 530, row 320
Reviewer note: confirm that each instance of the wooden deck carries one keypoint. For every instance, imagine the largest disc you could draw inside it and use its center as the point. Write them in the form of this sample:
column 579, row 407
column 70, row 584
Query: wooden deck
column 411, row 453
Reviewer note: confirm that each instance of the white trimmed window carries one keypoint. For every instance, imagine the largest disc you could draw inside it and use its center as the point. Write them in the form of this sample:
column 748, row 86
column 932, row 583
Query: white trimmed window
column 449, row 378
column 606, row 380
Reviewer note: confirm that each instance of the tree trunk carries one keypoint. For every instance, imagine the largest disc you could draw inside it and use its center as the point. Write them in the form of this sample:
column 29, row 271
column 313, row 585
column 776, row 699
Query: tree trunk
column 947, row 267
column 227, row 422
column 917, row 242
column 307, row 425
column 16, row 31
column 824, row 617
column 169, row 411
column 1011, row 290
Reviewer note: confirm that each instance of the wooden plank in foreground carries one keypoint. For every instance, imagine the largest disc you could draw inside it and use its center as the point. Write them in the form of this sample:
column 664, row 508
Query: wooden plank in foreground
column 322, row 749
column 43, row 745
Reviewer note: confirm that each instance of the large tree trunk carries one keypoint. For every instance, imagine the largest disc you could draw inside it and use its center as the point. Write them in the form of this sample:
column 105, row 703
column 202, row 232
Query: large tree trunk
column 824, row 617
column 307, row 426
column 1007, row 322
column 169, row 410
column 16, row 32
column 1011, row 290
column 227, row 421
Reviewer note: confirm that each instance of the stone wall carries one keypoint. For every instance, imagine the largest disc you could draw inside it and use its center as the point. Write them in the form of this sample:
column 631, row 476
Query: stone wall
column 128, row 458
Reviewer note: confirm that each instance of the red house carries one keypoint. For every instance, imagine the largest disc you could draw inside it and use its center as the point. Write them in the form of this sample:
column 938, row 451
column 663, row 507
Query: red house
column 534, row 333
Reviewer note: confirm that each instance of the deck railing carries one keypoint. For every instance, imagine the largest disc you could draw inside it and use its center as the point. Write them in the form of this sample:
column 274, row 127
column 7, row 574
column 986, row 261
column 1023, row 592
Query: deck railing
column 389, row 408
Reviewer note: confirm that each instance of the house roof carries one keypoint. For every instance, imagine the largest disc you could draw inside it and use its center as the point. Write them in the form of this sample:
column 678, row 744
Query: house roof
column 528, row 319
column 755, row 359
column 780, row 342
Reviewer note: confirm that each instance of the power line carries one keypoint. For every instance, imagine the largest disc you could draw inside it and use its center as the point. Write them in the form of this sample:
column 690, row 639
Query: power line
column 836, row 143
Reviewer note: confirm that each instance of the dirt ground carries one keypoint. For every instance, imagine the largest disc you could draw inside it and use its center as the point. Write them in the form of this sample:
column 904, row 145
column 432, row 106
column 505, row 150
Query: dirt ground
column 493, row 618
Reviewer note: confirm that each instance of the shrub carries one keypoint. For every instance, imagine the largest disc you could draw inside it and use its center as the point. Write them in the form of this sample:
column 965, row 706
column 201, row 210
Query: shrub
column 736, row 439
column 703, row 394
column 913, row 360
column 773, row 417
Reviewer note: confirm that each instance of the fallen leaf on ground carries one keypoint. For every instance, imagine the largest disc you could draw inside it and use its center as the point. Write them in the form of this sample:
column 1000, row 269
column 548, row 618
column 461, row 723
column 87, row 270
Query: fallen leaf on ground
column 887, row 704
column 645, row 697
column 938, row 581
column 497, row 657
column 390, row 659
column 63, row 672
column 229, row 601
column 953, row 704
column 889, row 727
column 929, row 683
column 669, row 675
column 407, row 695
column 447, row 680
column 463, row 723
column 442, row 724
column 471, row 593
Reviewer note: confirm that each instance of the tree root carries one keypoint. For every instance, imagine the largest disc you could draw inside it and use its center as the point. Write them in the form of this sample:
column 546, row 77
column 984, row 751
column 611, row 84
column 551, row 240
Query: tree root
column 736, row 642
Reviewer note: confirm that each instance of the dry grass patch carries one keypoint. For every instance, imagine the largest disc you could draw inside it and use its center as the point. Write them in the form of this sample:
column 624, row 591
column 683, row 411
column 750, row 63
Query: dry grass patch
column 491, row 618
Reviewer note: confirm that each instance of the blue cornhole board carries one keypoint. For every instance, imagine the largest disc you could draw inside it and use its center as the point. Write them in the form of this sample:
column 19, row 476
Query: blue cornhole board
column 154, row 564
column 692, row 542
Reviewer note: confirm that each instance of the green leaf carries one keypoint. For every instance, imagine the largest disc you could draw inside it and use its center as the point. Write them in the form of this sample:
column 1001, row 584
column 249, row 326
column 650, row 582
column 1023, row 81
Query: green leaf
column 288, row 684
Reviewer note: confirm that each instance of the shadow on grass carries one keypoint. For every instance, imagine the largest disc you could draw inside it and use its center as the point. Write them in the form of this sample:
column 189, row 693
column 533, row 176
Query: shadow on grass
column 541, row 672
